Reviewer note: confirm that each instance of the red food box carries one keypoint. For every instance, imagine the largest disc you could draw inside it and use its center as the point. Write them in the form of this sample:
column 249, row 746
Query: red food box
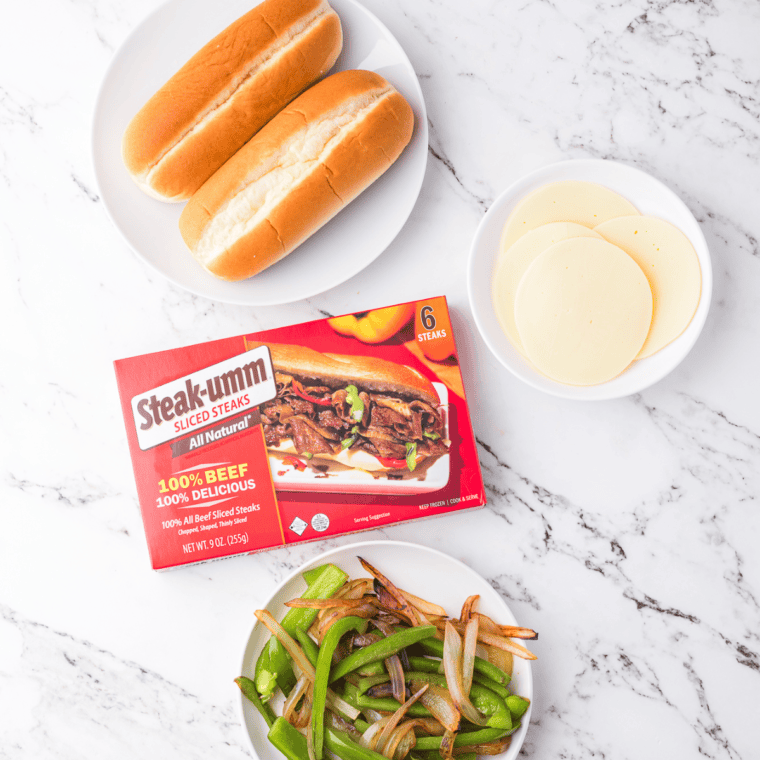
column 300, row 433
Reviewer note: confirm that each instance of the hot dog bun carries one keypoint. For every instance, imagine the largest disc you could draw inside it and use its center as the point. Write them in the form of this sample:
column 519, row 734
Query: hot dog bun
column 300, row 170
column 338, row 370
column 226, row 92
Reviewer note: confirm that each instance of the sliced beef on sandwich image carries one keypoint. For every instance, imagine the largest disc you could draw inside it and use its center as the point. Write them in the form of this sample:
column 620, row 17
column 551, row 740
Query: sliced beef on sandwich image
column 361, row 411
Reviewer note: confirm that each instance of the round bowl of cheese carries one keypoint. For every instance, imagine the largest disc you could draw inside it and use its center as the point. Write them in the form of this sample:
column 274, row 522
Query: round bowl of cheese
column 589, row 279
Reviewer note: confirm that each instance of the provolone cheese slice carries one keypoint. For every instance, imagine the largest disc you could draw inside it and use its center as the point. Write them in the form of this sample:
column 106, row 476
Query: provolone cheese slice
column 671, row 265
column 515, row 260
column 583, row 311
column 584, row 203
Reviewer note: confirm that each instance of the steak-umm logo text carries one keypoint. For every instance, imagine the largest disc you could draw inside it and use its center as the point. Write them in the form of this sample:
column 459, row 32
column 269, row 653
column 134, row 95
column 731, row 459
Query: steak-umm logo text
column 210, row 395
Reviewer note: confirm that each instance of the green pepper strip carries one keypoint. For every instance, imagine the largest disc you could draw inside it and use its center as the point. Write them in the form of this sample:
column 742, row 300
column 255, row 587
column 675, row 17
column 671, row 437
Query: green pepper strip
column 350, row 693
column 248, row 687
column 273, row 667
column 411, row 455
column 462, row 740
column 309, row 646
column 367, row 683
column 485, row 700
column 382, row 649
column 371, row 669
column 345, row 748
column 357, row 405
column 435, row 647
column 311, row 575
column 502, row 691
column 290, row 741
column 517, row 705
column 321, row 678
column 425, row 664
column 389, row 704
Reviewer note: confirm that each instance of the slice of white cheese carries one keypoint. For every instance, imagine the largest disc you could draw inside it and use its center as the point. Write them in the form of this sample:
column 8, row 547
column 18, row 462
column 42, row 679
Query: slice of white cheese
column 671, row 265
column 583, row 310
column 584, row 203
column 513, row 262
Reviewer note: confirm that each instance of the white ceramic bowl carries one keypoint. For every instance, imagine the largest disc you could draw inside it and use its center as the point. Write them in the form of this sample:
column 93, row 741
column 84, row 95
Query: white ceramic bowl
column 650, row 197
column 426, row 572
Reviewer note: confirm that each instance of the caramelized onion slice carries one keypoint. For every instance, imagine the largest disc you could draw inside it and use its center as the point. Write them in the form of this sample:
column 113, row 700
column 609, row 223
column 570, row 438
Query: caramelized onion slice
column 396, row 672
column 501, row 659
column 298, row 691
column 501, row 642
column 401, row 740
column 303, row 717
column 430, row 726
column 322, row 604
column 397, row 717
column 452, row 666
column 372, row 734
column 441, row 705
column 468, row 653
column 468, row 607
column 335, row 721
column 399, row 598
column 447, row 745
column 291, row 645
column 511, row 631
column 424, row 606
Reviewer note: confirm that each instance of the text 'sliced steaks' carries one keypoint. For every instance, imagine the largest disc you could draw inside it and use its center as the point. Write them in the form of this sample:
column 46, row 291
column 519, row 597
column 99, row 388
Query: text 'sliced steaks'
column 299, row 433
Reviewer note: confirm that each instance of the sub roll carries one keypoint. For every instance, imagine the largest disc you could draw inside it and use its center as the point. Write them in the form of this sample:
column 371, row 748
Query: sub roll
column 300, row 170
column 226, row 92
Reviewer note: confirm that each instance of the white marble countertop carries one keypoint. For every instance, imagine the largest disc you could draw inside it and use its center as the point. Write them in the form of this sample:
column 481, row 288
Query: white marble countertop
column 626, row 532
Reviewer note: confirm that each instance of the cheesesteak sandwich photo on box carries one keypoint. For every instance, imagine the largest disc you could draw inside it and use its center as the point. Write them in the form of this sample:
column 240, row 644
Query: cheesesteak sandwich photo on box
column 361, row 412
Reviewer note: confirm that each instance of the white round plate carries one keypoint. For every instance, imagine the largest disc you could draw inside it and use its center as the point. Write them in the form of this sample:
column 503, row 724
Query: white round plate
column 157, row 48
column 651, row 198
column 425, row 572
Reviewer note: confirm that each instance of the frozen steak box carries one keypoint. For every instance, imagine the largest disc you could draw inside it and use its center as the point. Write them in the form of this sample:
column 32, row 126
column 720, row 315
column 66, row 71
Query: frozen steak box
column 299, row 433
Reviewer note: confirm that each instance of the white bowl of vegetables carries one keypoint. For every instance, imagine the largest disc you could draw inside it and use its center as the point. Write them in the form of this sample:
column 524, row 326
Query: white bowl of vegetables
column 386, row 649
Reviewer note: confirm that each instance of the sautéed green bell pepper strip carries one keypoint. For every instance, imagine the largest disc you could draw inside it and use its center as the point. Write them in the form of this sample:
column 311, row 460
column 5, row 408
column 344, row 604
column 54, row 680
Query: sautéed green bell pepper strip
column 465, row 739
column 273, row 667
column 309, row 646
column 381, row 650
column 248, row 688
column 345, row 748
column 312, row 574
column 290, row 741
column 324, row 662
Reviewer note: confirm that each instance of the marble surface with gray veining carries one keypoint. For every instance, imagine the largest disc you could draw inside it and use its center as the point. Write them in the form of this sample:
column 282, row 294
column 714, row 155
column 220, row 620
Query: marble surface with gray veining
column 626, row 532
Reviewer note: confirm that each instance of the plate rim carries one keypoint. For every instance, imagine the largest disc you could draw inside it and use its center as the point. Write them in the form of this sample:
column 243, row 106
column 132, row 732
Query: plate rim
column 421, row 129
column 602, row 391
column 518, row 737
